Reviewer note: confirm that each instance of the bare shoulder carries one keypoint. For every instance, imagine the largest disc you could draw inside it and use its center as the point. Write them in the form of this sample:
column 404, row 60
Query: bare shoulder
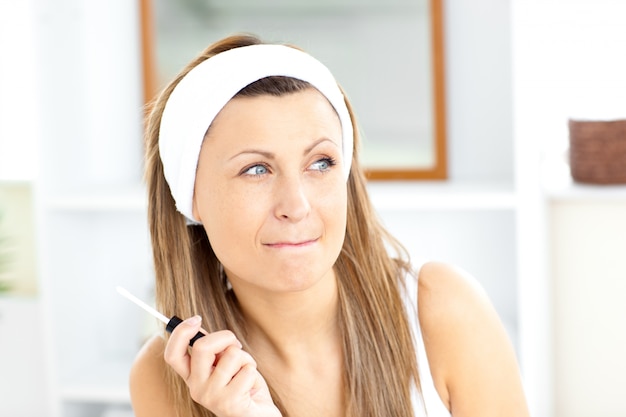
column 443, row 280
column 148, row 390
column 471, row 358
column 449, row 293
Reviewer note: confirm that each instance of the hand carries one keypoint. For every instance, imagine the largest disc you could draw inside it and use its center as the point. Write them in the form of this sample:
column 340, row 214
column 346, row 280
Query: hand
column 220, row 375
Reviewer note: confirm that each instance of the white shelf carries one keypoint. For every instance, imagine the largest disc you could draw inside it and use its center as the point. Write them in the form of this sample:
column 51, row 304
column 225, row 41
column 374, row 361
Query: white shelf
column 105, row 383
column 105, row 200
column 96, row 393
column 558, row 185
column 400, row 195
column 445, row 195
column 300, row 7
column 12, row 182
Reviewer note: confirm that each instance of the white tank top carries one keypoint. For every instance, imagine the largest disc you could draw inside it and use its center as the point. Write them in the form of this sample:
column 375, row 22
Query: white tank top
column 430, row 404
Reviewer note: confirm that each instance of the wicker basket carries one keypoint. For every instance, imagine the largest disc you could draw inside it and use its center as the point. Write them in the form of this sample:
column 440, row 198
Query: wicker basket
column 598, row 151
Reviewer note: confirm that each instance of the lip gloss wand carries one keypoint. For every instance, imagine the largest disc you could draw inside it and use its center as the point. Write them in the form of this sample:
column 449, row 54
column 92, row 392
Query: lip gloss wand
column 170, row 324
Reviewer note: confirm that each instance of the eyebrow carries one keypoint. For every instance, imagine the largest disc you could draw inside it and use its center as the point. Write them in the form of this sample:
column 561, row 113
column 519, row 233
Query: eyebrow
column 270, row 155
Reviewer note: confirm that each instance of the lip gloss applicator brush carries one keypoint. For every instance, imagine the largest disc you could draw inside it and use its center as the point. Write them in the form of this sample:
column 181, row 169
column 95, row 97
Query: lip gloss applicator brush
column 170, row 324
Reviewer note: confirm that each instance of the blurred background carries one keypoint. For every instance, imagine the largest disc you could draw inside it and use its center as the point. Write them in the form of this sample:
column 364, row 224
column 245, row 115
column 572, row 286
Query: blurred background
column 549, row 251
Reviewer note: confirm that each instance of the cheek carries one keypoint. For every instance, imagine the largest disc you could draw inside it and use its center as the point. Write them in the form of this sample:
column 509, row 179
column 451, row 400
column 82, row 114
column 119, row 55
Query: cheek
column 231, row 221
column 333, row 208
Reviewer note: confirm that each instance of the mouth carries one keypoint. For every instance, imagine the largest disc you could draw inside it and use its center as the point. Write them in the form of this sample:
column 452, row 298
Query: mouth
column 290, row 244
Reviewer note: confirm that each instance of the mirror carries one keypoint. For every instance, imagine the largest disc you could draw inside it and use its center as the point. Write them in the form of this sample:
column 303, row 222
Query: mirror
column 388, row 57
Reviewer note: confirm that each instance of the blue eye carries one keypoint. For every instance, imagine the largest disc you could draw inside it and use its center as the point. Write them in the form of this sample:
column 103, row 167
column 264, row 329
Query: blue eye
column 323, row 164
column 256, row 170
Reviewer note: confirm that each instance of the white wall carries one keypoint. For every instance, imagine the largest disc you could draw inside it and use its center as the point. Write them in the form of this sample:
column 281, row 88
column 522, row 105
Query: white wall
column 19, row 110
column 569, row 63
column 570, row 55
column 479, row 90
column 90, row 94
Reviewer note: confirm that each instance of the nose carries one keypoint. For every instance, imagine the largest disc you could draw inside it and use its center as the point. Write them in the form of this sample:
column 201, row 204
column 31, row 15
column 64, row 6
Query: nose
column 292, row 202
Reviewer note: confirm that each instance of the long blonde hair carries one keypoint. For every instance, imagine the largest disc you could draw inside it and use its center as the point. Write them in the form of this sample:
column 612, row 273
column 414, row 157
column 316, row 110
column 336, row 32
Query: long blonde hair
column 378, row 349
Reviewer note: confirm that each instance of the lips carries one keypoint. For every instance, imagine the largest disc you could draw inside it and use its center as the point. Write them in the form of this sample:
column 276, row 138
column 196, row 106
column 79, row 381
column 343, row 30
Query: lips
column 292, row 244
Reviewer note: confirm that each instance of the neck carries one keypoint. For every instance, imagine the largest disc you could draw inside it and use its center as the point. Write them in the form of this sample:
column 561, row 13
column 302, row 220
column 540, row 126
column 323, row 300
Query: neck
column 288, row 326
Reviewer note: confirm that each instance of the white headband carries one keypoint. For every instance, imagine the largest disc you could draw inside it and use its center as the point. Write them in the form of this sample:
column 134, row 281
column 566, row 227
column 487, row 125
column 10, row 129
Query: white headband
column 205, row 90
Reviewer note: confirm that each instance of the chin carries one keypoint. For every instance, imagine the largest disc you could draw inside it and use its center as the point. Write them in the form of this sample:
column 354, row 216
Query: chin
column 298, row 281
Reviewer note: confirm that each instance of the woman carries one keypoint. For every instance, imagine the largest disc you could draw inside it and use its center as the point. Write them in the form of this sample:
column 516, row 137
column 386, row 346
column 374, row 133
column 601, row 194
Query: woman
column 264, row 237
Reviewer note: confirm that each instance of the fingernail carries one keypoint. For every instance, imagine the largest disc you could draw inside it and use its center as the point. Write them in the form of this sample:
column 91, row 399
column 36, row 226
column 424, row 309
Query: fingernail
column 194, row 321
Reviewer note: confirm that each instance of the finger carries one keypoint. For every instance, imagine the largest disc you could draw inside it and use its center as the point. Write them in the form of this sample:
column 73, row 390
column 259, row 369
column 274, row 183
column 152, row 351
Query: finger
column 176, row 353
column 244, row 388
column 247, row 381
column 208, row 352
column 260, row 385
column 228, row 365
column 248, row 387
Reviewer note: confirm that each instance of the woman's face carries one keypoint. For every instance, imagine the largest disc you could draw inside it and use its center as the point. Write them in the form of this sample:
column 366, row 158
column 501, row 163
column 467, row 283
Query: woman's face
column 270, row 190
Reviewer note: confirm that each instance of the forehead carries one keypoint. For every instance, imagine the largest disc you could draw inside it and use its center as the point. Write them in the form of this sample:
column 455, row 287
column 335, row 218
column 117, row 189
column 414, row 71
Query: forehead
column 305, row 112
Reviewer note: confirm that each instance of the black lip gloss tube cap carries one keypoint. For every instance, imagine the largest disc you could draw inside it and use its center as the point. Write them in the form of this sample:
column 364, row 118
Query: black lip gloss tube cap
column 175, row 321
